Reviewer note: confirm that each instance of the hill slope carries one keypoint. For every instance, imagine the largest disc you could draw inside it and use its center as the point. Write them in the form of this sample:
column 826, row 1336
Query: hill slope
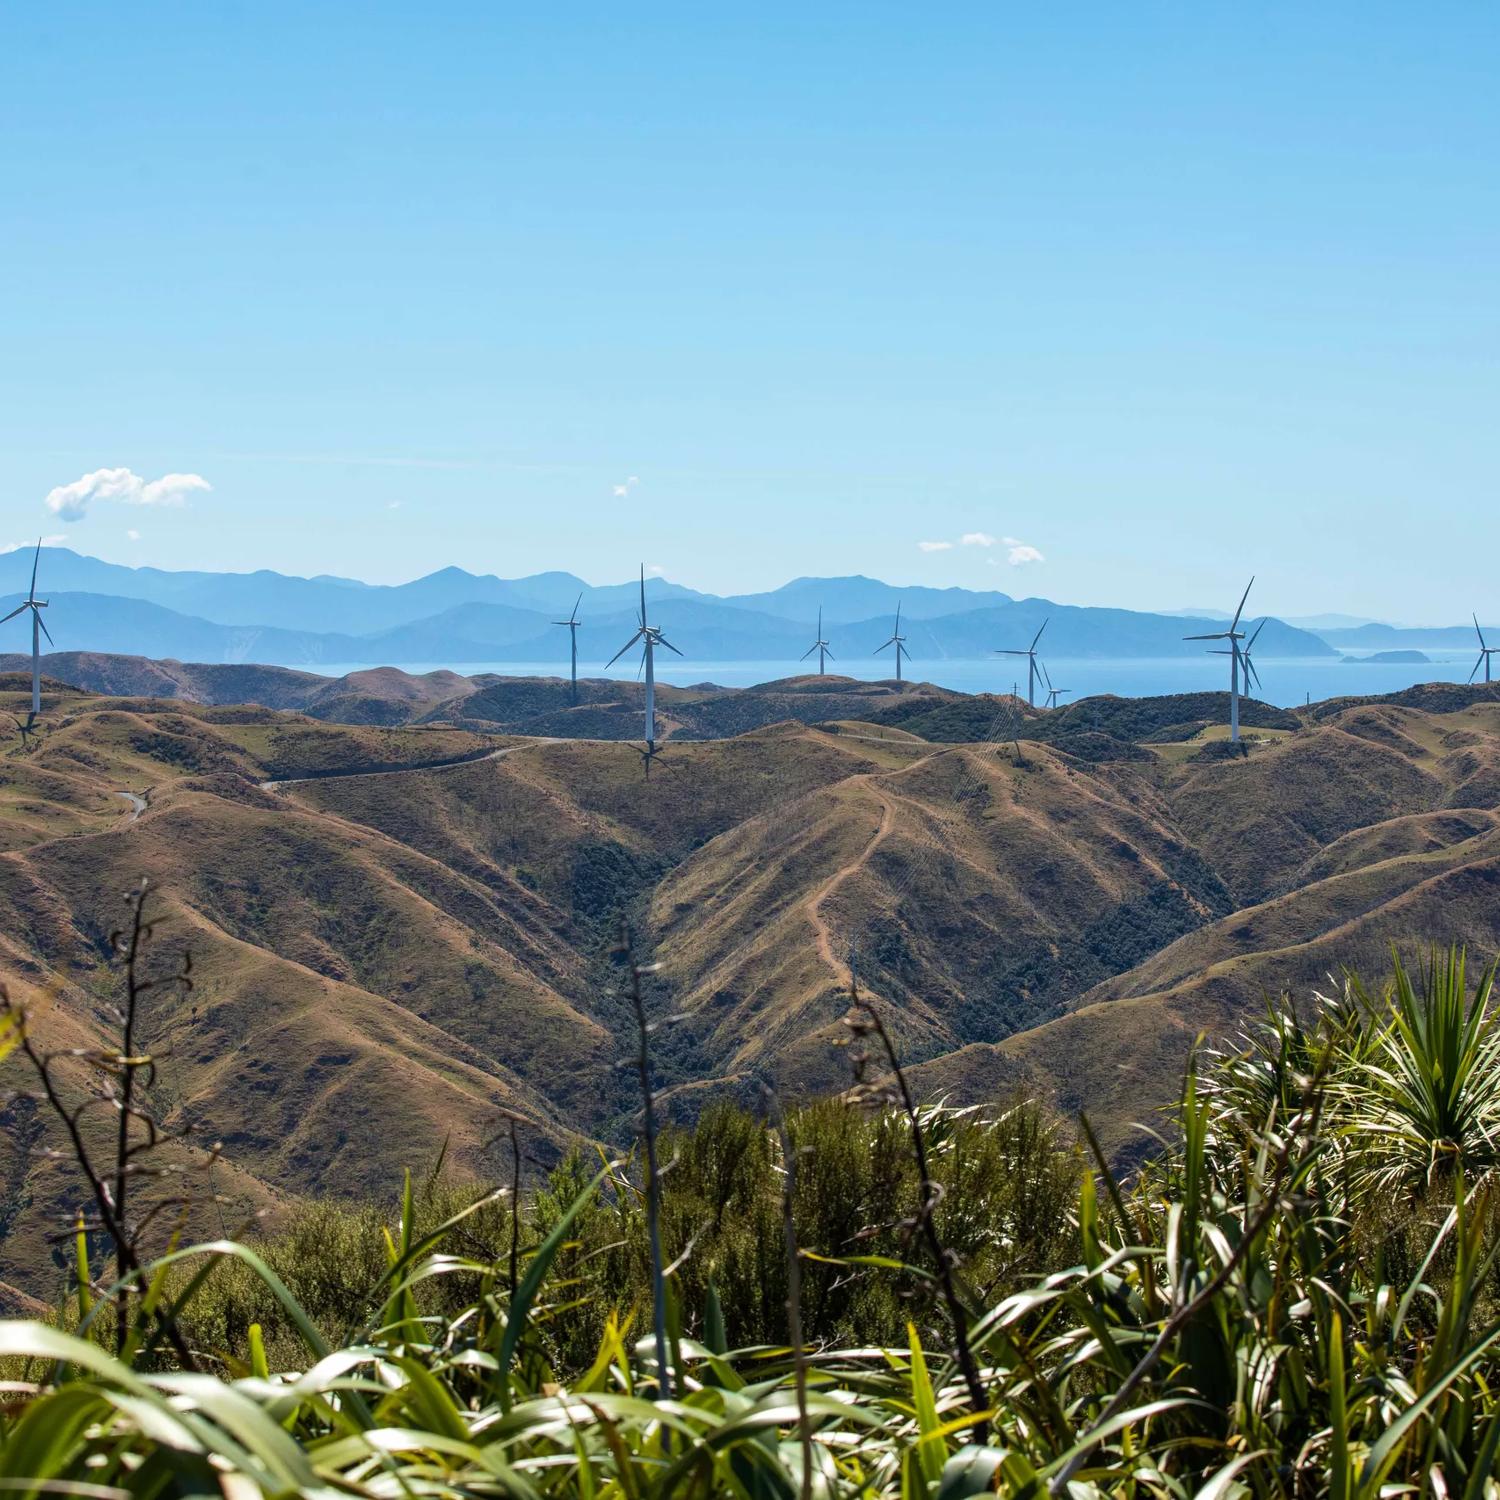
column 400, row 931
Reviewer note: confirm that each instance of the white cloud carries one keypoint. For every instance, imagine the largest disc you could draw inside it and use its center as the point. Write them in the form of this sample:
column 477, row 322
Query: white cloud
column 72, row 501
column 656, row 571
column 393, row 505
column 977, row 539
column 621, row 490
column 133, row 534
column 47, row 541
column 1020, row 553
column 935, row 546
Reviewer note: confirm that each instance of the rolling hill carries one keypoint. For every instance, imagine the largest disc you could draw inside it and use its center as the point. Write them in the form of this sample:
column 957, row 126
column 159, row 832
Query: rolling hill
column 402, row 930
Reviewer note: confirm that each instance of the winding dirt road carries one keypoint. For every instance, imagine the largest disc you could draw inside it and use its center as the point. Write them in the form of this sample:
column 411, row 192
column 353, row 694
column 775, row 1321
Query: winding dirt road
column 431, row 765
column 137, row 805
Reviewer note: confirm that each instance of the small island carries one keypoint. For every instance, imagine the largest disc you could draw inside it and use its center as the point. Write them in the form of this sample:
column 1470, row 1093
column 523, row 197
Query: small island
column 1389, row 659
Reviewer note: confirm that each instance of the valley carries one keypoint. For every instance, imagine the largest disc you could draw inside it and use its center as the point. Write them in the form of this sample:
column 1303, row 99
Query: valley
column 402, row 919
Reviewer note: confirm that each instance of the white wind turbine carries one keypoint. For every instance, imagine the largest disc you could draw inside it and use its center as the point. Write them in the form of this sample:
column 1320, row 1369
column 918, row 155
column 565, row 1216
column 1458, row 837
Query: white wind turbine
column 820, row 646
column 1053, row 693
column 1485, row 652
column 1031, row 662
column 573, row 622
column 898, row 641
column 1234, row 635
column 38, row 630
column 651, row 637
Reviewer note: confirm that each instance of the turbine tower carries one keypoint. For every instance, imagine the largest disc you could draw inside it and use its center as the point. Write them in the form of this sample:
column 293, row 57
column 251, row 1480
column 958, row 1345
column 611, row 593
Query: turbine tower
column 1031, row 662
column 820, row 646
column 1485, row 652
column 651, row 637
column 38, row 630
column 573, row 622
column 1234, row 635
column 898, row 641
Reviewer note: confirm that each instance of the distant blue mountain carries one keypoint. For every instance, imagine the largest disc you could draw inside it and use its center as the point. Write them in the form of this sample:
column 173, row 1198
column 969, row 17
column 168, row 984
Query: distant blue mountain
column 457, row 617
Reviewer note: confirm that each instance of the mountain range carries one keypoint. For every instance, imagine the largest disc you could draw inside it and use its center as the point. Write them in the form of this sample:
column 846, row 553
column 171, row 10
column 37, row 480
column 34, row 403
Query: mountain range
column 458, row 617
column 401, row 931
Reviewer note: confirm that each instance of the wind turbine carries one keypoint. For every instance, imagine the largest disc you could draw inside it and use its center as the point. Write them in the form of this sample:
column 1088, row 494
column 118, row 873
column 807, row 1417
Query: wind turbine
column 38, row 630
column 1234, row 635
column 651, row 637
column 1031, row 662
column 1485, row 652
column 1053, row 693
column 820, row 646
column 573, row 622
column 898, row 641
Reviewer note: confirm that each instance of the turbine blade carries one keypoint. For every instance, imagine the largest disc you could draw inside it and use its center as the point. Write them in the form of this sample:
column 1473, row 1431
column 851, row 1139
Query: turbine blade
column 1038, row 635
column 1218, row 635
column 661, row 640
column 829, row 654
column 808, row 652
column 19, row 609
column 1007, row 651
column 1472, row 675
column 885, row 647
column 1477, row 630
column 40, row 621
column 623, row 649
column 35, row 563
column 1241, row 609
column 1257, row 631
column 576, row 603
column 1045, row 677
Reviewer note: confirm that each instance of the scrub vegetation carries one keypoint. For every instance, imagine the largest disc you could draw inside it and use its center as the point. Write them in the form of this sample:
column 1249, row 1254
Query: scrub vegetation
column 1296, row 1294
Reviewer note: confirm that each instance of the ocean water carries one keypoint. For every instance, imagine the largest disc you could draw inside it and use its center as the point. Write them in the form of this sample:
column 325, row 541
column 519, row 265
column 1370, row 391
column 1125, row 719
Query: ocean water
column 1285, row 682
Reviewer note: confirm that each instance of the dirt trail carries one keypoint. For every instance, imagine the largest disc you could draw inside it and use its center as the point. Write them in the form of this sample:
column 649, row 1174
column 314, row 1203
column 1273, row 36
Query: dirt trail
column 137, row 805
column 430, row 765
column 815, row 900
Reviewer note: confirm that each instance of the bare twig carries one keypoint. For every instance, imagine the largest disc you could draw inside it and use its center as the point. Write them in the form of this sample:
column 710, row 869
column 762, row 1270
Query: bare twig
column 126, row 1073
column 633, row 993
column 865, row 1020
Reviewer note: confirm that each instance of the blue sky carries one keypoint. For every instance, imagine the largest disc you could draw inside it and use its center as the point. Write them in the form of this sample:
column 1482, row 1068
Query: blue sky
column 1166, row 293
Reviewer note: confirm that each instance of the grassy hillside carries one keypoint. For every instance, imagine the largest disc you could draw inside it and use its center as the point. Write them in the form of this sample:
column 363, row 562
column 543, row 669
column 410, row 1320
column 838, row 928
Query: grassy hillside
column 411, row 926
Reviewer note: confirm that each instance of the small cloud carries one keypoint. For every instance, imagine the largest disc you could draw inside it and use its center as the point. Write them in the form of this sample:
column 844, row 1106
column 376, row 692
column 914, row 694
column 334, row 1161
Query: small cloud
column 393, row 505
column 656, row 571
column 133, row 534
column 72, row 501
column 1021, row 554
column 977, row 539
column 622, row 490
column 47, row 541
column 935, row 546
